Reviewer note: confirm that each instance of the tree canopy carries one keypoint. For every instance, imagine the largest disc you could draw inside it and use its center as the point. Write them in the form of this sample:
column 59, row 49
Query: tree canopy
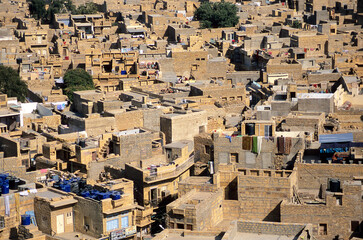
column 77, row 80
column 39, row 11
column 11, row 84
column 217, row 15
column 45, row 10
column 87, row 8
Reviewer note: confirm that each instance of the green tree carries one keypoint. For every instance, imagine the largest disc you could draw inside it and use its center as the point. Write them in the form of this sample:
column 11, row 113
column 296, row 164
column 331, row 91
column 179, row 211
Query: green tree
column 11, row 84
column 38, row 9
column 217, row 15
column 77, row 80
column 88, row 8
column 296, row 24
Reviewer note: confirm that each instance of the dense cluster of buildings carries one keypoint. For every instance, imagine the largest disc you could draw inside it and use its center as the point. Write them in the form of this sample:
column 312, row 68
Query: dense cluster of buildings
column 248, row 132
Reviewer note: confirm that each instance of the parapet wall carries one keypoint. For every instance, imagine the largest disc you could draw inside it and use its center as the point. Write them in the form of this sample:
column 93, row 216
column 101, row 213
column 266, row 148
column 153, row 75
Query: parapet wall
column 269, row 228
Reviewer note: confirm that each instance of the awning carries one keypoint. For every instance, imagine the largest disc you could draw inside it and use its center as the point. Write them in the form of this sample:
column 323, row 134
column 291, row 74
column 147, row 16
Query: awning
column 331, row 138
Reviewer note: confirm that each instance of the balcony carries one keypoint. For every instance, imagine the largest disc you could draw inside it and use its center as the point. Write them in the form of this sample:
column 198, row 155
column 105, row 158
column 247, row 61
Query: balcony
column 148, row 177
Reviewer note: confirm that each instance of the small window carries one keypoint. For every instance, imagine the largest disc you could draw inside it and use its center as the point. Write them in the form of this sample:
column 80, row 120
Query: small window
column 125, row 221
column 207, row 149
column 234, row 157
column 323, row 229
column 201, row 129
column 180, row 226
column 339, row 200
column 189, row 227
column 24, row 162
column 2, row 222
column 354, row 225
column 112, row 224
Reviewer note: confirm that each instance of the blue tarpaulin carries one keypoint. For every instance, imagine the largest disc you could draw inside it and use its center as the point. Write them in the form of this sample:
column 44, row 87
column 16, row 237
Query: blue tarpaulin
column 333, row 138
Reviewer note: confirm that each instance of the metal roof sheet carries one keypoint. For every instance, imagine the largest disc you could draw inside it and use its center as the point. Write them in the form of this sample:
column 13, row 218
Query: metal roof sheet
column 330, row 138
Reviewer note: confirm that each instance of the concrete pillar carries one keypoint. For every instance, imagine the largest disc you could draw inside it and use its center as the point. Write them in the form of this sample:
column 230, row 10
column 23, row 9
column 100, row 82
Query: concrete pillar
column 312, row 161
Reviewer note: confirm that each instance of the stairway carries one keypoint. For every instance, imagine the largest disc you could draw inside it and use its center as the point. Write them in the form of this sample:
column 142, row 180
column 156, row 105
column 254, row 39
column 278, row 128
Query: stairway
column 103, row 151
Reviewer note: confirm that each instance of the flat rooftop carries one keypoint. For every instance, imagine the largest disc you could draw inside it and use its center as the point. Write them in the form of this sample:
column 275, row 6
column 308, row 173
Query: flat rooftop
column 315, row 95
column 255, row 236
column 49, row 194
column 197, row 180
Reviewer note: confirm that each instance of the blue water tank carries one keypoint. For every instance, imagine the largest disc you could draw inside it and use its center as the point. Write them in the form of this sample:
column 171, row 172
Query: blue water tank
column 123, row 72
column 3, row 176
column 85, row 194
column 66, row 187
column 25, row 219
column 5, row 188
column 116, row 196
column 101, row 196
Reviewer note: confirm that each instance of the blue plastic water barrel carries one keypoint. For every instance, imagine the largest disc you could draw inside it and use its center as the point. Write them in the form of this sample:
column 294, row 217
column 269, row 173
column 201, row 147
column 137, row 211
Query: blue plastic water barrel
column 67, row 187
column 3, row 176
column 5, row 188
column 101, row 196
column 25, row 219
column 116, row 196
column 85, row 194
column 123, row 72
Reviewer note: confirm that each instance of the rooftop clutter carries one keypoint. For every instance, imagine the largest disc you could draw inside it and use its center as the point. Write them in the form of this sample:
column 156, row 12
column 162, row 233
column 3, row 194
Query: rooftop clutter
column 172, row 119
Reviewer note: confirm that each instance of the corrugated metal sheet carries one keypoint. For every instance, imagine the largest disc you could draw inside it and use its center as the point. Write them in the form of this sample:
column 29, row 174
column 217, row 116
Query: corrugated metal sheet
column 331, row 138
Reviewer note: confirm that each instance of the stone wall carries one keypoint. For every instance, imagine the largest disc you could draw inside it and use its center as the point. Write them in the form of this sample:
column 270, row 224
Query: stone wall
column 261, row 192
column 285, row 229
column 311, row 176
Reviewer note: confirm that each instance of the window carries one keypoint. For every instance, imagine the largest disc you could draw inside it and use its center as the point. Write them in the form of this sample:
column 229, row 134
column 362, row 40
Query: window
column 125, row 221
column 323, row 229
column 189, row 227
column 339, row 201
column 69, row 218
column 201, row 129
column 234, row 157
column 112, row 224
column 207, row 149
column 24, row 162
column 180, row 226
column 354, row 225
column 2, row 222
column 268, row 130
